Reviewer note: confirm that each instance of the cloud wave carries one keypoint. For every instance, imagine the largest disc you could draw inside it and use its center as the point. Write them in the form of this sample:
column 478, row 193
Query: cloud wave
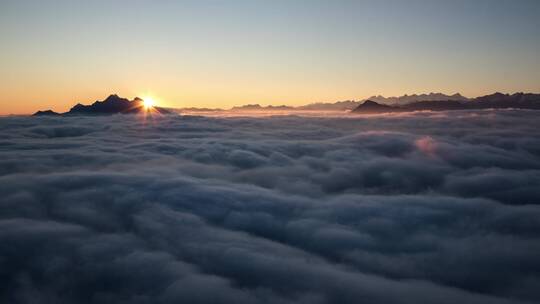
column 403, row 208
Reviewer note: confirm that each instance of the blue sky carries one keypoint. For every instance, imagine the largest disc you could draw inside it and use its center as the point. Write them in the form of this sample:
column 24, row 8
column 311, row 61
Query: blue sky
column 222, row 53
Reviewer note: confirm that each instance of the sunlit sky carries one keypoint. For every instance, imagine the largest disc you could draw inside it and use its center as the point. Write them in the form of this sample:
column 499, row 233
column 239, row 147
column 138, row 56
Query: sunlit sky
column 225, row 53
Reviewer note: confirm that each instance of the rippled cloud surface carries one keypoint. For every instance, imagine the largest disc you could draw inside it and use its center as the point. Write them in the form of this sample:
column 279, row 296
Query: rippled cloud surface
column 418, row 208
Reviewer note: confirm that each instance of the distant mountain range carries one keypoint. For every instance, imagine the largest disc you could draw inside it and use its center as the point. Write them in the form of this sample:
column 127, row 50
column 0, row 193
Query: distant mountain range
column 319, row 106
column 375, row 104
column 415, row 102
column 406, row 99
column 111, row 105
column 257, row 107
column 493, row 101
column 348, row 105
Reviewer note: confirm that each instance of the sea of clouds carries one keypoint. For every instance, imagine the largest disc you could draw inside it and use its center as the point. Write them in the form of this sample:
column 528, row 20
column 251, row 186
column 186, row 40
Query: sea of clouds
column 403, row 208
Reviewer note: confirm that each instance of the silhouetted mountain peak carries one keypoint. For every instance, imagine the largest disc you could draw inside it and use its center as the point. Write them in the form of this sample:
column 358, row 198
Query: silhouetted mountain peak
column 46, row 113
column 115, row 99
column 113, row 104
column 370, row 106
column 370, row 103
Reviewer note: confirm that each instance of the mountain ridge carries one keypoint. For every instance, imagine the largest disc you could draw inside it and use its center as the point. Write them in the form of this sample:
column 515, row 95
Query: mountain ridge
column 406, row 99
column 492, row 101
column 113, row 104
column 347, row 105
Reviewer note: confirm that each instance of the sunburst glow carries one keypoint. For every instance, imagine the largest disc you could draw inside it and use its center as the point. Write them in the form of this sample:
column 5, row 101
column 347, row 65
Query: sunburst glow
column 148, row 102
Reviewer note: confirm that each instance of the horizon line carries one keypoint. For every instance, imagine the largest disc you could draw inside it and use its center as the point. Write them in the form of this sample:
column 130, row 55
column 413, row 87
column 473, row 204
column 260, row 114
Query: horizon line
column 276, row 105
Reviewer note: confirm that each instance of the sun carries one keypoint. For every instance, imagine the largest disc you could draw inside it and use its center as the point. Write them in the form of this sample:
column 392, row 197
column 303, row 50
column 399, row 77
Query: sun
column 148, row 102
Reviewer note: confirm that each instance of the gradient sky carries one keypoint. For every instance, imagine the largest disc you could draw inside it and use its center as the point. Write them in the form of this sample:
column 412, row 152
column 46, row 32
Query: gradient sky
column 224, row 53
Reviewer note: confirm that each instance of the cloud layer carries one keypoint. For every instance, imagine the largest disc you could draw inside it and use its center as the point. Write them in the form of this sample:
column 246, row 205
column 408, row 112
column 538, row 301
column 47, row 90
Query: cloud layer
column 408, row 208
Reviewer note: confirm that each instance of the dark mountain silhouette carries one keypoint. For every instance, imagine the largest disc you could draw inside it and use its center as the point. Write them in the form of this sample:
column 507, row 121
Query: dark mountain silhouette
column 47, row 113
column 370, row 107
column 494, row 101
column 111, row 105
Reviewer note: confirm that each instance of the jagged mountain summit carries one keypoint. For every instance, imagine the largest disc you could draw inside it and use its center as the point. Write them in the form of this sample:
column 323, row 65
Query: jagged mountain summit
column 113, row 104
